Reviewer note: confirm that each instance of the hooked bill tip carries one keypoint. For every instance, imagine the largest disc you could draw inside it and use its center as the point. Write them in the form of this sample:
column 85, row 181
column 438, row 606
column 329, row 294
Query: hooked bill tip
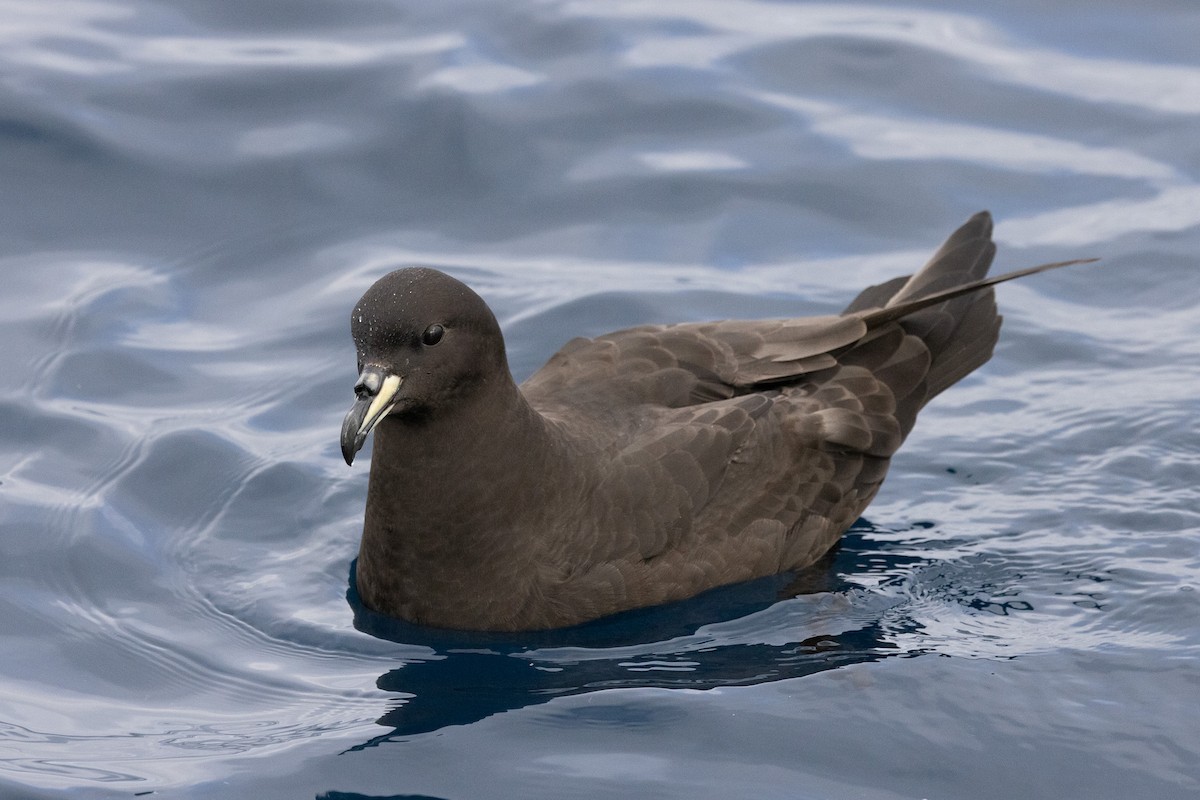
column 353, row 435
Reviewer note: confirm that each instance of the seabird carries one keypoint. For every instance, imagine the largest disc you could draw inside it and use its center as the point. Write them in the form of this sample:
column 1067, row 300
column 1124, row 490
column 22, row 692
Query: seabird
column 643, row 466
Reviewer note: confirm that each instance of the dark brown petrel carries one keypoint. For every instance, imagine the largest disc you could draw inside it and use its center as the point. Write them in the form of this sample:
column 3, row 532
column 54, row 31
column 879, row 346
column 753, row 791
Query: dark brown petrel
column 642, row 466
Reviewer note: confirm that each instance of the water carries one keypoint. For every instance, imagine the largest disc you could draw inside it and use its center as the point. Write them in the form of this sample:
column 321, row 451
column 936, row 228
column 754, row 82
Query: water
column 195, row 193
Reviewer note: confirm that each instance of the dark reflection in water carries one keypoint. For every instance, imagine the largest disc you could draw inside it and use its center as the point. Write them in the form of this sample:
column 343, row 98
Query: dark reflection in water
column 473, row 675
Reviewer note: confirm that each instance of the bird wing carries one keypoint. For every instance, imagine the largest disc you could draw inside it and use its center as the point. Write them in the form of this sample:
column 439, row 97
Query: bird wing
column 675, row 366
column 752, row 485
column 749, row 446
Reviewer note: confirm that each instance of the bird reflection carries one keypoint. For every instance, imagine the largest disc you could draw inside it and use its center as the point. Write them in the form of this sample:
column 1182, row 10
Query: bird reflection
column 473, row 675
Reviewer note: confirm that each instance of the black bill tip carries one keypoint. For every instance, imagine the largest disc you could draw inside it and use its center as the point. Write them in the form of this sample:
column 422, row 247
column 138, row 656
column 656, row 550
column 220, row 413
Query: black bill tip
column 354, row 433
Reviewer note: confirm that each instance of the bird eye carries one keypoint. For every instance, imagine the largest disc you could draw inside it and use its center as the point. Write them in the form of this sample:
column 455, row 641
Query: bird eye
column 432, row 335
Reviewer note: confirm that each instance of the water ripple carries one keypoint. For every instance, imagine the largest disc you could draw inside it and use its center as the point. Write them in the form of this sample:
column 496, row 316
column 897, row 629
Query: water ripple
column 744, row 24
column 199, row 193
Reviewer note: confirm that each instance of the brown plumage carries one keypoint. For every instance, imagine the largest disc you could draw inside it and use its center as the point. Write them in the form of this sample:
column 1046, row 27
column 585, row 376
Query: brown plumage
column 645, row 465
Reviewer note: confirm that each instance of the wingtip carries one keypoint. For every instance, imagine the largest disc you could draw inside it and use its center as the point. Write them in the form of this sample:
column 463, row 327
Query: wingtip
column 889, row 313
column 981, row 220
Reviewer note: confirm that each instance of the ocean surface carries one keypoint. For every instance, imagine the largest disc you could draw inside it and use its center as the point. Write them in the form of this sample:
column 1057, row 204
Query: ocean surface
column 194, row 193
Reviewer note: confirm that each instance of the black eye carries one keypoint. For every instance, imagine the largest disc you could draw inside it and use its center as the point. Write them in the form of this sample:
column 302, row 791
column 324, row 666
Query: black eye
column 432, row 335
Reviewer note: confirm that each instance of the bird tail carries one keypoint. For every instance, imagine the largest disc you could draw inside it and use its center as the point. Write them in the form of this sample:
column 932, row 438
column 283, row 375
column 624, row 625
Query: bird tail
column 949, row 305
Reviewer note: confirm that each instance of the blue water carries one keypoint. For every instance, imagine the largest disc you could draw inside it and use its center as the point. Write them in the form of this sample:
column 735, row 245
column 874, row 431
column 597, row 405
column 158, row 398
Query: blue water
column 195, row 193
